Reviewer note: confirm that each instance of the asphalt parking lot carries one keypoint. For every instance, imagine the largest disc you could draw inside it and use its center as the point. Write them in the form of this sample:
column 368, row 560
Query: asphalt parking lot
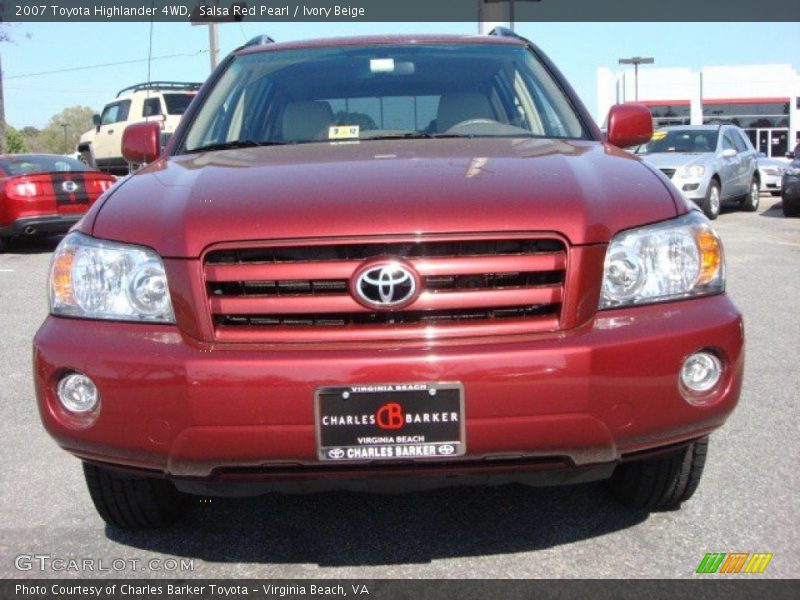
column 747, row 501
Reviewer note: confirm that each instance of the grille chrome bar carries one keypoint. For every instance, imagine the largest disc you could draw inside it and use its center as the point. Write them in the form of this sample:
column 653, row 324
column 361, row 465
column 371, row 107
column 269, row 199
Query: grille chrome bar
column 325, row 335
column 551, row 261
column 242, row 305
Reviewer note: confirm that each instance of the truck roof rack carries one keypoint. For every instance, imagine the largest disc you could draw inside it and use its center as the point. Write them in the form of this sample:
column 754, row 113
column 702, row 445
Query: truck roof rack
column 161, row 85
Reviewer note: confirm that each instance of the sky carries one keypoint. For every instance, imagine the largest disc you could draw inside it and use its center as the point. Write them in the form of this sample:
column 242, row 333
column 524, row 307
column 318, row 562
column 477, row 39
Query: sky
column 578, row 49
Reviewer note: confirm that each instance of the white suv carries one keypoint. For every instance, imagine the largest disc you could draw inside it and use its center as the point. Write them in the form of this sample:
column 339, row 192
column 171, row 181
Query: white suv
column 163, row 101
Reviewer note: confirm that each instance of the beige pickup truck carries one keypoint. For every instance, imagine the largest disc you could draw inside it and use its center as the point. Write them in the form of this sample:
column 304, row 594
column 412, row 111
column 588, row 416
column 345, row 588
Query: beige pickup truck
column 162, row 101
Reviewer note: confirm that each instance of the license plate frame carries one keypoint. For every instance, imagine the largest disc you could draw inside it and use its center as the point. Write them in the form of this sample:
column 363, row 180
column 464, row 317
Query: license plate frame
column 440, row 439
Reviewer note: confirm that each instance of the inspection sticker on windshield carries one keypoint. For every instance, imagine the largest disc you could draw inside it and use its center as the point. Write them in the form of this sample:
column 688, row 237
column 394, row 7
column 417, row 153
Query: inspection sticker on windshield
column 658, row 135
column 343, row 132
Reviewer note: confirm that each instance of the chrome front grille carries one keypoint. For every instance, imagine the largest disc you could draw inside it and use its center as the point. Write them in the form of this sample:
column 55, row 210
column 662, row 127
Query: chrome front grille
column 469, row 286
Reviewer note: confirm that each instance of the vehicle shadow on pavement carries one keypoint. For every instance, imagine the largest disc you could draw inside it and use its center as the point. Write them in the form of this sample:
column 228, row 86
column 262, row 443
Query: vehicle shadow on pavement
column 775, row 211
column 351, row 529
column 33, row 245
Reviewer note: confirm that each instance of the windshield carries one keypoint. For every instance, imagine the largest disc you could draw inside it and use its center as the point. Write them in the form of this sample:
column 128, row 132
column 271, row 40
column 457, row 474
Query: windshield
column 362, row 93
column 178, row 103
column 26, row 164
column 681, row 140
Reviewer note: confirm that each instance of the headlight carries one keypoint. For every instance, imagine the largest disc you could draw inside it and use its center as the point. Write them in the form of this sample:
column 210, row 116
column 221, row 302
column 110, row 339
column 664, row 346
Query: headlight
column 691, row 172
column 792, row 171
column 679, row 258
column 96, row 279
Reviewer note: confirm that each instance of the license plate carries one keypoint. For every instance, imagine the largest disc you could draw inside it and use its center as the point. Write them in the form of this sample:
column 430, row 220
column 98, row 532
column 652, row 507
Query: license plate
column 407, row 421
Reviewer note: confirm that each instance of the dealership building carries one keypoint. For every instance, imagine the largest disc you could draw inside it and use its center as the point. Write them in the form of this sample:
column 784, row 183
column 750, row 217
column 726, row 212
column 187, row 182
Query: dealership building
column 764, row 100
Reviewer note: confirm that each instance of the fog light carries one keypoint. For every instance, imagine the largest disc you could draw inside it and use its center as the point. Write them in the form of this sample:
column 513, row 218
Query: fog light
column 701, row 372
column 78, row 394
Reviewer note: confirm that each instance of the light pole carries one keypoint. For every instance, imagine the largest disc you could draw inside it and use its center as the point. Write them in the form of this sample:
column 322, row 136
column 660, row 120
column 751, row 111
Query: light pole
column 636, row 61
column 65, row 126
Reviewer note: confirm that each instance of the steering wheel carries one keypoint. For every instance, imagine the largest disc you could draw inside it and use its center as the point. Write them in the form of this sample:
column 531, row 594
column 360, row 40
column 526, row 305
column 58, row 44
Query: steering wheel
column 470, row 123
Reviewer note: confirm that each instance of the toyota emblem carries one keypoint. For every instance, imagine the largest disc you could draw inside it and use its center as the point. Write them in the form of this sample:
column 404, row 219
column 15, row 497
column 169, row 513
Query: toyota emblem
column 386, row 285
column 69, row 186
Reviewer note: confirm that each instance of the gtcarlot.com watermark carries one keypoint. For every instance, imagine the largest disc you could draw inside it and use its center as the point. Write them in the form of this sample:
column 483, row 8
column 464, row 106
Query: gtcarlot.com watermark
column 62, row 564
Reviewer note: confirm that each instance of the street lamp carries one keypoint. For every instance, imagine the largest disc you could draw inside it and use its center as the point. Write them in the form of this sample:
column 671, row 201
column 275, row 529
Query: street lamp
column 636, row 61
column 66, row 146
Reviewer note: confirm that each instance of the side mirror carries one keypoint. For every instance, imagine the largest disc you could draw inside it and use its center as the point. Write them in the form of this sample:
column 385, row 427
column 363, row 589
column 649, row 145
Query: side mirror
column 629, row 125
column 790, row 155
column 140, row 142
column 728, row 153
column 96, row 120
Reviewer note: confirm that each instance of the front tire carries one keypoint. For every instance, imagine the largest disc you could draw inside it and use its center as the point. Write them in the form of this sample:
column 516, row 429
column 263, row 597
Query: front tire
column 751, row 200
column 661, row 483
column 791, row 211
column 131, row 502
column 712, row 201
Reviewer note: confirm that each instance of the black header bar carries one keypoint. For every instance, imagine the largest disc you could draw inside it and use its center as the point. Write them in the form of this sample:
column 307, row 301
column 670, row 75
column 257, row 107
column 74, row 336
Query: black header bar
column 204, row 11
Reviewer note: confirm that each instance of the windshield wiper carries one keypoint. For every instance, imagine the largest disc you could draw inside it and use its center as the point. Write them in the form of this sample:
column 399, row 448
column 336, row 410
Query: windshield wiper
column 406, row 135
column 420, row 135
column 233, row 144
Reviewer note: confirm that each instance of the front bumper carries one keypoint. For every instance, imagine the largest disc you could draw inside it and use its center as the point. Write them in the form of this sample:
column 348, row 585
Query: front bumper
column 40, row 225
column 580, row 398
column 695, row 189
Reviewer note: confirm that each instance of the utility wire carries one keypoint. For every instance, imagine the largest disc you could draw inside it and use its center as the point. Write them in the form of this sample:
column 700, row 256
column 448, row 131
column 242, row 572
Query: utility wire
column 100, row 66
column 150, row 51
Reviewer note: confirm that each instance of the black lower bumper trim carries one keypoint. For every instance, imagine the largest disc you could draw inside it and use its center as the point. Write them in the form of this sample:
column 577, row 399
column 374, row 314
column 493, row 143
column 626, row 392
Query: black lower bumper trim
column 43, row 225
column 389, row 482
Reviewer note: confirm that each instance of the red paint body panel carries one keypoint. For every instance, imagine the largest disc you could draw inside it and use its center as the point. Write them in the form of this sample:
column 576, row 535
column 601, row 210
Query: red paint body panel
column 585, row 191
column 629, row 125
column 140, row 142
column 588, row 395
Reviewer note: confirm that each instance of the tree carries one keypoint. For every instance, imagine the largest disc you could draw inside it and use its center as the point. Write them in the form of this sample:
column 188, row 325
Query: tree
column 30, row 136
column 78, row 120
column 15, row 142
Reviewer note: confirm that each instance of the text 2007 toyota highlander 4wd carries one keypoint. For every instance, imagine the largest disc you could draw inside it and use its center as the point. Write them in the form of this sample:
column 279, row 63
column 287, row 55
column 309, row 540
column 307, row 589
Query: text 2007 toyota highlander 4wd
column 369, row 261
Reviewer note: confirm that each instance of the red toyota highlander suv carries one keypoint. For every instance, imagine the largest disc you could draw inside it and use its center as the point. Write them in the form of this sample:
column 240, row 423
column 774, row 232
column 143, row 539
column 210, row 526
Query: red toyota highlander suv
column 376, row 262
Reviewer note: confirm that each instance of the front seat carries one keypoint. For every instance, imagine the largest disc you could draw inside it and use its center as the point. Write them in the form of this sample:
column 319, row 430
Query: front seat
column 306, row 121
column 463, row 106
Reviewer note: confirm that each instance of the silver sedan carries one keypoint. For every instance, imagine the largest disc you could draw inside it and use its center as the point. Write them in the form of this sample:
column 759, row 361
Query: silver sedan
column 771, row 171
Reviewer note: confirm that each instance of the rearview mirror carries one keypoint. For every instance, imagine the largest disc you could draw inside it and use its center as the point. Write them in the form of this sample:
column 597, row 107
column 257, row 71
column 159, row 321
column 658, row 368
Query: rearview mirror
column 140, row 142
column 728, row 153
column 629, row 125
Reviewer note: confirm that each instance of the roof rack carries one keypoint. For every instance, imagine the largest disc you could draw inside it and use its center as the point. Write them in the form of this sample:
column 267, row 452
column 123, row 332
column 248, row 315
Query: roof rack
column 259, row 40
column 161, row 85
column 506, row 32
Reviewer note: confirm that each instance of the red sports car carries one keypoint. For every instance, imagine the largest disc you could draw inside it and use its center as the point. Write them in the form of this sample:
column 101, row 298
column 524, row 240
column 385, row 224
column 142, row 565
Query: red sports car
column 45, row 193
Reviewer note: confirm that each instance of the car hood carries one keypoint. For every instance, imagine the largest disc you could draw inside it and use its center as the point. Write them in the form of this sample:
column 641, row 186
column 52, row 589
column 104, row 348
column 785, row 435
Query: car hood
column 587, row 191
column 676, row 160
